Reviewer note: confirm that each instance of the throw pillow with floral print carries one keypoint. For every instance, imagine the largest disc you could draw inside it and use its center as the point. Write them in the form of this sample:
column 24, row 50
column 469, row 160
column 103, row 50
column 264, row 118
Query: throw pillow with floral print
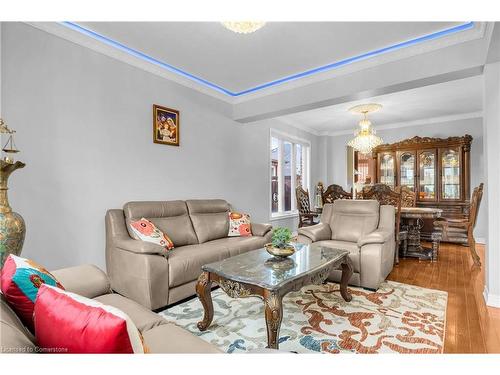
column 147, row 231
column 239, row 225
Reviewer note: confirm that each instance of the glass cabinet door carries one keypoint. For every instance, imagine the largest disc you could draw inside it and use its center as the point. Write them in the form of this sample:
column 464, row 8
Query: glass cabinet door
column 450, row 174
column 387, row 169
column 407, row 170
column 427, row 175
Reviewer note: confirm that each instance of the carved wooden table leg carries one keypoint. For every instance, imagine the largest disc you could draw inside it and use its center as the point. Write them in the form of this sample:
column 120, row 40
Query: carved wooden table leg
column 274, row 315
column 436, row 239
column 204, row 292
column 347, row 272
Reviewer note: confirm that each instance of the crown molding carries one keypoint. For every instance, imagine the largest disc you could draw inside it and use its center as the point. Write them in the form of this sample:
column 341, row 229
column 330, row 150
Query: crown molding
column 76, row 37
column 479, row 31
column 405, row 124
column 113, row 49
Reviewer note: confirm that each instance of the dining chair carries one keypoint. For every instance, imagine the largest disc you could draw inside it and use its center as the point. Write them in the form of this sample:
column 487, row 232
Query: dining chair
column 462, row 230
column 306, row 215
column 334, row 192
column 408, row 196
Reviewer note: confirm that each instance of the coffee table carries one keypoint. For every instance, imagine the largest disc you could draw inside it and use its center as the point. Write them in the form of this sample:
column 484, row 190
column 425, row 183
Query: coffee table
column 257, row 273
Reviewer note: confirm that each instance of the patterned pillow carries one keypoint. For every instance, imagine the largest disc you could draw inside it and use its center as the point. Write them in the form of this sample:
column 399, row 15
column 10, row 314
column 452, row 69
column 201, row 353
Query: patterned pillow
column 147, row 231
column 21, row 279
column 239, row 225
column 83, row 325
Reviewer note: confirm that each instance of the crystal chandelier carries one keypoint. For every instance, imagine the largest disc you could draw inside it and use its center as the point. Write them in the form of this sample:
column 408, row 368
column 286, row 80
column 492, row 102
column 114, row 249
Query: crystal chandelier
column 245, row 27
column 365, row 139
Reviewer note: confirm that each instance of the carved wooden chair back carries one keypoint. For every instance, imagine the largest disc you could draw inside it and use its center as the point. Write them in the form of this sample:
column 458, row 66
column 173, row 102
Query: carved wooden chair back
column 454, row 229
column 306, row 216
column 303, row 203
column 408, row 197
column 385, row 196
column 334, row 192
column 475, row 203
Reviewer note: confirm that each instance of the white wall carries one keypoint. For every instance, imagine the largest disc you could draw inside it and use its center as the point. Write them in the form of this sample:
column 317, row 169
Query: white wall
column 255, row 142
column 84, row 123
column 337, row 165
column 491, row 196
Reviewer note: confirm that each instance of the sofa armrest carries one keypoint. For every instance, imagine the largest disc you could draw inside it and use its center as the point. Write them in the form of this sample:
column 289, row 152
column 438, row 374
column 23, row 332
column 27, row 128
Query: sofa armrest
column 139, row 247
column 86, row 280
column 318, row 232
column 379, row 236
column 261, row 229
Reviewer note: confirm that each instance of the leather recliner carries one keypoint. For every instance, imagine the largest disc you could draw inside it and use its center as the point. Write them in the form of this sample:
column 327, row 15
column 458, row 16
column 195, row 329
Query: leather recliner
column 198, row 228
column 366, row 230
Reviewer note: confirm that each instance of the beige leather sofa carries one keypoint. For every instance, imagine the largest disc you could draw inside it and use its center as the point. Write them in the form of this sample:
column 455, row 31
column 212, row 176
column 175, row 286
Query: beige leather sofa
column 366, row 230
column 198, row 229
column 159, row 335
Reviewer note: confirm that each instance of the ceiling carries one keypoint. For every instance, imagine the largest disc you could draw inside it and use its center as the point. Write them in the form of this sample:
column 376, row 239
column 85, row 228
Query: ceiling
column 237, row 62
column 452, row 99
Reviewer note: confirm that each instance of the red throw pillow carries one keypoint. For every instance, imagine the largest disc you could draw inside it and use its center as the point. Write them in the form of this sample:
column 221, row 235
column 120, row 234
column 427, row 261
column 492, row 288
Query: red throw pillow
column 69, row 323
column 20, row 280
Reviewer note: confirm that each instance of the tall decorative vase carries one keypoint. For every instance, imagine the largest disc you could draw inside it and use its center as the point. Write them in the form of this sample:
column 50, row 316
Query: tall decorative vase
column 12, row 227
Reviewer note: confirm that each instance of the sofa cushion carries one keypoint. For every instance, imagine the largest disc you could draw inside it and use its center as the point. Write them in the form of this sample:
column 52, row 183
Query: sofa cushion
column 210, row 218
column 171, row 217
column 352, row 247
column 14, row 341
column 13, row 333
column 185, row 262
column 352, row 219
column 143, row 318
column 238, row 245
column 169, row 338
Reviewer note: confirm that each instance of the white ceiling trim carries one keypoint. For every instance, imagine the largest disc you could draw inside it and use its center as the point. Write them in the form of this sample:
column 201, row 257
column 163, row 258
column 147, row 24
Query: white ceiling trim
column 404, row 124
column 56, row 29
column 478, row 32
column 66, row 33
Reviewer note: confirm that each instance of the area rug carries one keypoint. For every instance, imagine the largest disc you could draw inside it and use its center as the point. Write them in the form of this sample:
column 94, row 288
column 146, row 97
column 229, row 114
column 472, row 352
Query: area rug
column 397, row 318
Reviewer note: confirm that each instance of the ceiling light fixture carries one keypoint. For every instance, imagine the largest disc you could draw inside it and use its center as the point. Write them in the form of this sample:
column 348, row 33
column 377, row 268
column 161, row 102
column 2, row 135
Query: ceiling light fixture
column 245, row 27
column 365, row 139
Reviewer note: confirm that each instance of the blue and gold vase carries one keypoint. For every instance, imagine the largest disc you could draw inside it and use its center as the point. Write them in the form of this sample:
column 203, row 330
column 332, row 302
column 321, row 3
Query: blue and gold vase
column 12, row 227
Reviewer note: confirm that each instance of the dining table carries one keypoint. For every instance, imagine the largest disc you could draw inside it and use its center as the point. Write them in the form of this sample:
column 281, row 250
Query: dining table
column 412, row 221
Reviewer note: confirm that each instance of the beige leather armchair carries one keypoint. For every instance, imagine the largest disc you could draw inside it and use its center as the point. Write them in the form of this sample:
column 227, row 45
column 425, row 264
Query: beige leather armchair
column 366, row 230
column 198, row 228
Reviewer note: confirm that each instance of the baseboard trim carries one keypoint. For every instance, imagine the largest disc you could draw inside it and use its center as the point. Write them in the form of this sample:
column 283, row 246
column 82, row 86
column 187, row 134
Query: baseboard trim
column 492, row 300
column 481, row 240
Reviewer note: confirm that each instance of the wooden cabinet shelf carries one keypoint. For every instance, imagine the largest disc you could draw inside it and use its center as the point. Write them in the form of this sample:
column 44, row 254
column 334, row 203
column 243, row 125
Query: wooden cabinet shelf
column 437, row 169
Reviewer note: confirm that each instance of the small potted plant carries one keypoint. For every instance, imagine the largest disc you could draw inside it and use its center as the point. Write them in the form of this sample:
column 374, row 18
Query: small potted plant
column 281, row 245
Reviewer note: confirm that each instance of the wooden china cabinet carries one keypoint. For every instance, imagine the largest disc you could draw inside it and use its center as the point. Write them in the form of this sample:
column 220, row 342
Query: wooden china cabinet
column 436, row 169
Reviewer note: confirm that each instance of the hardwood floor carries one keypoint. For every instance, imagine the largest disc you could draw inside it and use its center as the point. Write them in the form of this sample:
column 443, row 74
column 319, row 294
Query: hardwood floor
column 471, row 326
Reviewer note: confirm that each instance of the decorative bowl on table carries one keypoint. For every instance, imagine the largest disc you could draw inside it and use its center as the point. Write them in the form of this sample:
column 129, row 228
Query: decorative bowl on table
column 280, row 252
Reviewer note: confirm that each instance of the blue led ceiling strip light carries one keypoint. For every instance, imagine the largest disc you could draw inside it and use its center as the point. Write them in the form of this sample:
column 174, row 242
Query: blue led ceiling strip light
column 143, row 56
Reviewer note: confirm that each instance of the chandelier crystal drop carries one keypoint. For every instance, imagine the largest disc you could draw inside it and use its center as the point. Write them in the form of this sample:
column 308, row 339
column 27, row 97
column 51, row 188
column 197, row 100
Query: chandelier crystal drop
column 365, row 139
column 243, row 27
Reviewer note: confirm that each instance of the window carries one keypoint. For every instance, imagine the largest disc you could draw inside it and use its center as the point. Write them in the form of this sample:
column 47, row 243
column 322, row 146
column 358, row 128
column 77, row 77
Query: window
column 289, row 169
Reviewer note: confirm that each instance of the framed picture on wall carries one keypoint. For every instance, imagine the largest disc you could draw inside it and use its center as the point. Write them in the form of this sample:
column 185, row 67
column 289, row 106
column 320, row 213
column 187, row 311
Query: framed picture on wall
column 165, row 125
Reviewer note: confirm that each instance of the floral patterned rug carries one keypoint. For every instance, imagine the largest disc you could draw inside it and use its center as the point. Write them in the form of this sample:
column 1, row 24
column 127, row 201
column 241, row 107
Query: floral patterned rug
column 397, row 318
